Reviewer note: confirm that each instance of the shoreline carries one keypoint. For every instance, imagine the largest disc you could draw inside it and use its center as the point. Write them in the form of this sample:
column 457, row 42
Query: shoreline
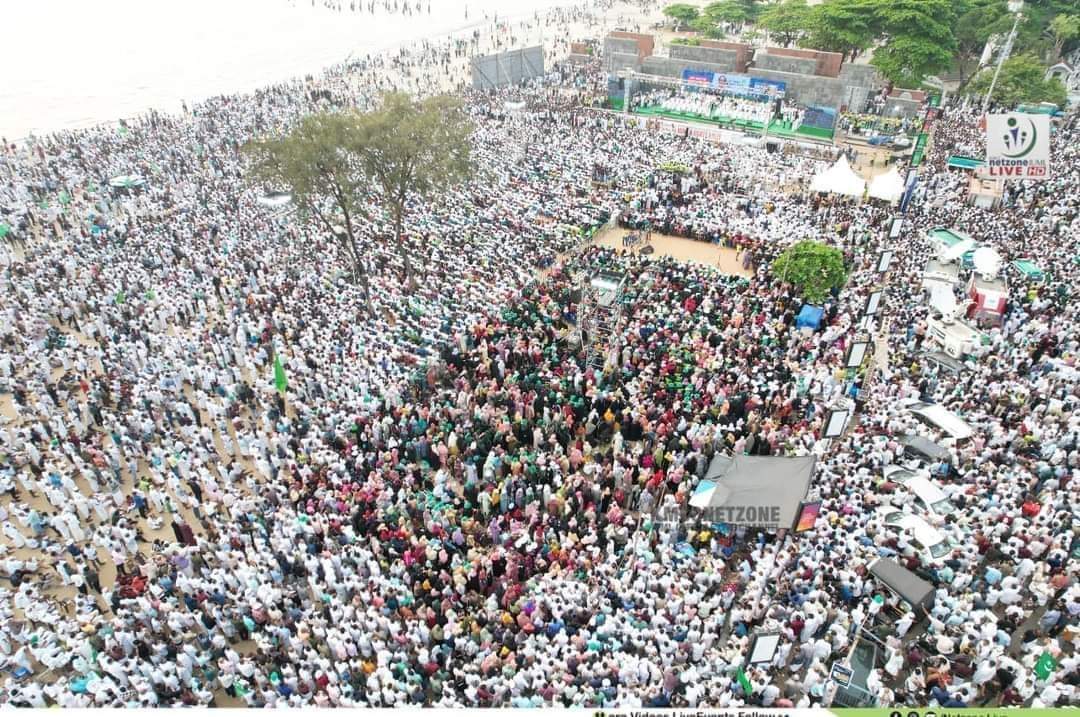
column 600, row 22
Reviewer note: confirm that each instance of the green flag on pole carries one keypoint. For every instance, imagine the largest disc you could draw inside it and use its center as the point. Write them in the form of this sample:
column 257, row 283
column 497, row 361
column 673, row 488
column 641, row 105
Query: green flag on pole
column 745, row 682
column 280, row 382
column 1045, row 666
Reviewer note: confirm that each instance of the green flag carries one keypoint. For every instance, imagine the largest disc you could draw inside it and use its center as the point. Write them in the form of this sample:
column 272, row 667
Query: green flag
column 280, row 382
column 745, row 682
column 120, row 296
column 1045, row 666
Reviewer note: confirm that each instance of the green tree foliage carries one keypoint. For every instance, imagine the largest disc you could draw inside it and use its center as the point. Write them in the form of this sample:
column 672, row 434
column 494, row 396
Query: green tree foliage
column 682, row 13
column 844, row 26
column 413, row 149
column 918, row 39
column 1063, row 29
column 813, row 267
column 1021, row 82
column 976, row 22
column 733, row 12
column 708, row 27
column 786, row 20
column 318, row 162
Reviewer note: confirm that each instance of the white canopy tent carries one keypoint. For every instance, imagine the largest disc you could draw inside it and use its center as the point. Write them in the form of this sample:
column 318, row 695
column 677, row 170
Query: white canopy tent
column 888, row 186
column 839, row 179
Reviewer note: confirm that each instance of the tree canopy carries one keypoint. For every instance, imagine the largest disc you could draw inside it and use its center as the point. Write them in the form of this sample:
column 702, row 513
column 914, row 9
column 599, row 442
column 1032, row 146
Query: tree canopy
column 412, row 149
column 844, row 26
column 345, row 169
column 918, row 39
column 682, row 13
column 786, row 20
column 1022, row 81
column 976, row 22
column 911, row 39
column 813, row 267
column 318, row 162
column 1062, row 30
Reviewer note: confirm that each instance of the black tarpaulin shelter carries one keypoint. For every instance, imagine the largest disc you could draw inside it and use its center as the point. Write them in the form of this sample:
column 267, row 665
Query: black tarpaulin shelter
column 909, row 586
column 924, row 448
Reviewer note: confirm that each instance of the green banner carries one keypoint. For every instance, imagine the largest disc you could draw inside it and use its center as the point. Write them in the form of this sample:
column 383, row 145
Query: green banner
column 945, row 712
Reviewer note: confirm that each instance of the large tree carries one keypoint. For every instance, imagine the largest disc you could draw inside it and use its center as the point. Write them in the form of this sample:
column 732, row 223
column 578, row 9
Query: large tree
column 976, row 22
column 682, row 13
column 317, row 161
column 786, row 20
column 918, row 39
column 1062, row 30
column 733, row 12
column 411, row 150
column 813, row 267
column 1022, row 80
column 845, row 26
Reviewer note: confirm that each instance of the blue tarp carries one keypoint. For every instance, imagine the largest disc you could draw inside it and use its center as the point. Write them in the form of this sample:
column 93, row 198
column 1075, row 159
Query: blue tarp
column 809, row 317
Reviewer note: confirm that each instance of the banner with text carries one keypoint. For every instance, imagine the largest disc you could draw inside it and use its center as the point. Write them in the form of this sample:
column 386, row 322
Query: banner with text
column 735, row 84
column 1017, row 146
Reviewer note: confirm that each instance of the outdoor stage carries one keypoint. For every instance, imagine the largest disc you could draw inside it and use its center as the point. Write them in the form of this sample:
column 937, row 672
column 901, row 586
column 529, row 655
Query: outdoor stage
column 700, row 252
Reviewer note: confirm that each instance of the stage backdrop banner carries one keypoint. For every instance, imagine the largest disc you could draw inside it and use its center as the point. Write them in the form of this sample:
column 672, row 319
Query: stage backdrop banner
column 734, row 84
column 1017, row 146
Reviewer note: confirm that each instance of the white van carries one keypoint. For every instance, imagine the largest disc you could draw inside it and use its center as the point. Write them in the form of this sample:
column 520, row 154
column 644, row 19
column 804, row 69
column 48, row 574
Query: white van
column 924, row 493
column 937, row 416
column 930, row 546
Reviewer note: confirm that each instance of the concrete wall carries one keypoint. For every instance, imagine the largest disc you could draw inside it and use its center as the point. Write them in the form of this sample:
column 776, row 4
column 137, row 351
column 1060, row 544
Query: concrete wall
column 613, row 62
column 620, row 53
column 818, row 91
column 860, row 75
column 901, row 107
column 720, row 57
column 763, row 60
column 744, row 52
column 827, row 64
column 507, row 68
column 812, row 77
column 646, row 43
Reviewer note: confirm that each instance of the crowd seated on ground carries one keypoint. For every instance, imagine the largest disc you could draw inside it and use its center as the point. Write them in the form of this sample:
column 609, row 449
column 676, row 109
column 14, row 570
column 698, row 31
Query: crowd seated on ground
column 446, row 505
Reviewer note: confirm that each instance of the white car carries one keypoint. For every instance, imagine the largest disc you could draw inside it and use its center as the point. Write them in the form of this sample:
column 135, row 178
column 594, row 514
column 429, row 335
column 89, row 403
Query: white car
column 940, row 418
column 925, row 493
column 928, row 544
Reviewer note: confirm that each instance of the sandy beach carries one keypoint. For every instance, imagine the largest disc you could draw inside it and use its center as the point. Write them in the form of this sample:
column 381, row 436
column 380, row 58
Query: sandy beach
column 127, row 65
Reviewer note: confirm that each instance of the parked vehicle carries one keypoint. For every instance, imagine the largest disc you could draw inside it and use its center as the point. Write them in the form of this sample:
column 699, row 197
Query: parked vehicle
column 937, row 416
column 924, row 541
column 926, row 495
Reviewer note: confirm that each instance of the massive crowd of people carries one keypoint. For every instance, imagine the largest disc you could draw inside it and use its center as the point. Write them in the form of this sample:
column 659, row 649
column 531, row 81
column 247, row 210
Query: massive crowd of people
column 447, row 506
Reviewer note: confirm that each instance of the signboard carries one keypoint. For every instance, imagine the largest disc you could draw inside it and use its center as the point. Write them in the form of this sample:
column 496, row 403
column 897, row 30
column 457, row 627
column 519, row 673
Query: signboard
column 808, row 515
column 734, row 84
column 873, row 303
column 1018, row 146
column 700, row 78
column 763, row 648
column 841, row 674
column 823, row 117
column 856, row 354
column 835, row 423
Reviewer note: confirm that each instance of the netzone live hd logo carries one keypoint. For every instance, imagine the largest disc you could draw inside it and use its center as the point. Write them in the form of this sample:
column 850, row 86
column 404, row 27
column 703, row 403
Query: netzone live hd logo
column 1020, row 138
column 1018, row 146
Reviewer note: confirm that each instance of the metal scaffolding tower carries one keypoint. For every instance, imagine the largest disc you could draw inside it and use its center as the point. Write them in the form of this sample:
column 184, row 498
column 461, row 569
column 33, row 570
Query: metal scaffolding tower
column 600, row 313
